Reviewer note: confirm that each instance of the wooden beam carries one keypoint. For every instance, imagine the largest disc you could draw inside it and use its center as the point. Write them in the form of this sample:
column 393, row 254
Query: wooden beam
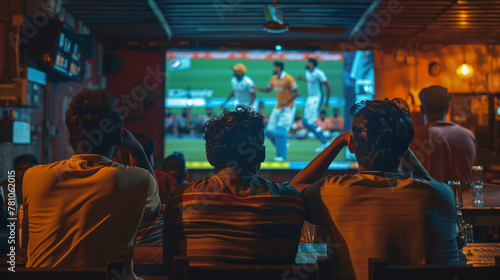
column 362, row 20
column 161, row 18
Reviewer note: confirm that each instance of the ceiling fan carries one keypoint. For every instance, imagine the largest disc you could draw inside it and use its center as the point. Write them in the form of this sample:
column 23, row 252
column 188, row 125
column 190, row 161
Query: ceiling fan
column 275, row 24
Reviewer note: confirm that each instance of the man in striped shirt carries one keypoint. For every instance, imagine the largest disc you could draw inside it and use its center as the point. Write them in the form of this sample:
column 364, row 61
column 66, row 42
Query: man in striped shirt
column 233, row 216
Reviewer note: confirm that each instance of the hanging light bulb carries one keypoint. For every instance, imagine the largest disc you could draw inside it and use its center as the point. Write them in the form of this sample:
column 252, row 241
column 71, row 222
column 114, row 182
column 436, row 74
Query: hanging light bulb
column 465, row 70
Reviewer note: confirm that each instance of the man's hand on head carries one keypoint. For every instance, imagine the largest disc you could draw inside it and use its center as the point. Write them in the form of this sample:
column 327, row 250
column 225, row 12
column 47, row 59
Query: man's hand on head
column 129, row 143
column 137, row 155
column 346, row 137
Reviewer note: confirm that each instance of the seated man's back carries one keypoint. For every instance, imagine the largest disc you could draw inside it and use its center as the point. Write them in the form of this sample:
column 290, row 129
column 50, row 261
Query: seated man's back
column 398, row 218
column 88, row 215
column 233, row 216
column 405, row 218
column 85, row 211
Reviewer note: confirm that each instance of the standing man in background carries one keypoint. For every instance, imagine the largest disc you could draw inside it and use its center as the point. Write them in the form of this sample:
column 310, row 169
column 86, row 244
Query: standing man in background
column 280, row 121
column 445, row 149
column 242, row 87
column 315, row 79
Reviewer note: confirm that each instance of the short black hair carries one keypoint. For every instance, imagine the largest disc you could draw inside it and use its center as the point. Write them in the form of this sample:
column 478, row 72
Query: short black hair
column 279, row 64
column 227, row 135
column 147, row 142
column 435, row 99
column 175, row 165
column 382, row 131
column 322, row 112
column 94, row 123
column 25, row 158
column 313, row 61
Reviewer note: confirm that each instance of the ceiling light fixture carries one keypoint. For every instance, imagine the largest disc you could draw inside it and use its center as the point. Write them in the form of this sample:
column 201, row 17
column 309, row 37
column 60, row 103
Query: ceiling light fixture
column 465, row 70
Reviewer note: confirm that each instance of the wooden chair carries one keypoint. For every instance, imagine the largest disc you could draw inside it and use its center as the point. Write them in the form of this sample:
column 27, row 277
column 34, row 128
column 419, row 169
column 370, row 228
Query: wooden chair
column 113, row 271
column 380, row 270
column 184, row 271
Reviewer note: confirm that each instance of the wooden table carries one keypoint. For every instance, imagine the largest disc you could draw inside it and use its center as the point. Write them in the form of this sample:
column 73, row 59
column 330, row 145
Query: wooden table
column 147, row 259
column 481, row 254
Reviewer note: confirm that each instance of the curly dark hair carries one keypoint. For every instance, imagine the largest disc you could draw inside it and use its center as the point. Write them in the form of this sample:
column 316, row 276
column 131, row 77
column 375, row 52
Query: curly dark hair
column 93, row 122
column 382, row 131
column 235, row 138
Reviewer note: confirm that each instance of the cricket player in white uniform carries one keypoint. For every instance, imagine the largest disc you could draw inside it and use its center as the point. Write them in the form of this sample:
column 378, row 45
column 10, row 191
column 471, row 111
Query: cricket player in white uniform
column 242, row 86
column 315, row 79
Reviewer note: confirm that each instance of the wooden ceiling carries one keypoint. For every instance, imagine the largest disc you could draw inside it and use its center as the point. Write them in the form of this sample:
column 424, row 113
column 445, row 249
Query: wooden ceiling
column 241, row 21
column 444, row 22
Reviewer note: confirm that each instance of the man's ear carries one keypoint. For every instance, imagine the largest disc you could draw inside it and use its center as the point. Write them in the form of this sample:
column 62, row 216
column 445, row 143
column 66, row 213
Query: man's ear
column 350, row 144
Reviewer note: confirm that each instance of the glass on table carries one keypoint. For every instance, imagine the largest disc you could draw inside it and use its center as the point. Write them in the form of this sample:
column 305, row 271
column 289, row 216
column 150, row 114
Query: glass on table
column 457, row 190
column 477, row 186
column 469, row 233
column 462, row 231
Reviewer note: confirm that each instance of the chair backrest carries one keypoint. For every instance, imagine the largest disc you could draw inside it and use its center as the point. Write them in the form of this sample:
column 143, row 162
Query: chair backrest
column 184, row 271
column 113, row 271
column 79, row 273
column 150, row 232
column 269, row 224
column 380, row 270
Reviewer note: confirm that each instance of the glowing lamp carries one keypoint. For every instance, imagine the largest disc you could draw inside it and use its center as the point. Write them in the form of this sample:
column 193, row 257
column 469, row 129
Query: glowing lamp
column 465, row 71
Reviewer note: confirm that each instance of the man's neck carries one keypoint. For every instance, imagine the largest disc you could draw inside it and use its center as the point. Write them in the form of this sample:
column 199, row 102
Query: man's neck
column 109, row 154
column 254, row 169
column 428, row 118
column 104, row 155
column 362, row 168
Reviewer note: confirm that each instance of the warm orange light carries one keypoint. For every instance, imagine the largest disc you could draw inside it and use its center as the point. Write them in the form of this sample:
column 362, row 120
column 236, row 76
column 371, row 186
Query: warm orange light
column 465, row 71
